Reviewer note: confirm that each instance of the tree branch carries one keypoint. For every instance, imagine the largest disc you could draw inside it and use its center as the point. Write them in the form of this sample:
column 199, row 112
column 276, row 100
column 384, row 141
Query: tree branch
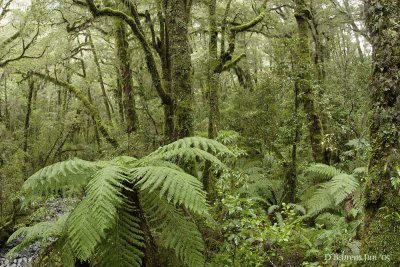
column 138, row 32
column 85, row 101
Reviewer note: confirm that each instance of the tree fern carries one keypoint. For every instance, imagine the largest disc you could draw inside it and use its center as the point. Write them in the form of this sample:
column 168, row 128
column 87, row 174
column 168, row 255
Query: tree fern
column 186, row 154
column 106, row 226
column 332, row 193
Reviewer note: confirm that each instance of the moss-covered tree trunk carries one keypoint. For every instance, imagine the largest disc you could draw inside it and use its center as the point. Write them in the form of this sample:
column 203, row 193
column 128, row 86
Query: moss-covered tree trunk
column 213, row 79
column 304, row 81
column 164, row 53
column 177, row 19
column 31, row 89
column 125, row 77
column 213, row 82
column 133, row 20
column 381, row 235
column 100, row 74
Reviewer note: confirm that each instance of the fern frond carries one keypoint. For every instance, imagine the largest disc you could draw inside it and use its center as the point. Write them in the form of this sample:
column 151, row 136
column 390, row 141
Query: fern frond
column 39, row 232
column 176, row 231
column 320, row 201
column 124, row 160
column 178, row 187
column 97, row 212
column 187, row 154
column 328, row 220
column 323, row 170
column 159, row 163
column 341, row 186
column 360, row 171
column 124, row 242
column 83, row 235
column 74, row 173
column 104, row 194
column 195, row 142
column 333, row 192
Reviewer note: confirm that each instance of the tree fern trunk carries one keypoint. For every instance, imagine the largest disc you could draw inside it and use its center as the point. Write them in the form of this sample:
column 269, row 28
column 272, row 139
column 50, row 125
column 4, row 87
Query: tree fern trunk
column 151, row 254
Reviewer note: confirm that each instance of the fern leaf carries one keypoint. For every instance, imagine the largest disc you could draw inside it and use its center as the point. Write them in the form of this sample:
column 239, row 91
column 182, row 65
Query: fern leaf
column 360, row 171
column 83, row 235
column 104, row 194
column 333, row 192
column 73, row 173
column 159, row 163
column 320, row 201
column 195, row 142
column 188, row 154
column 178, row 187
column 176, row 231
column 97, row 212
column 341, row 186
column 124, row 242
column 39, row 232
column 323, row 171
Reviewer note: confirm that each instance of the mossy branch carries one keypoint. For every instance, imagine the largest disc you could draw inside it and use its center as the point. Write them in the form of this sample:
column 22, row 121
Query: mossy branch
column 233, row 62
column 245, row 26
column 85, row 101
column 139, row 34
column 227, row 56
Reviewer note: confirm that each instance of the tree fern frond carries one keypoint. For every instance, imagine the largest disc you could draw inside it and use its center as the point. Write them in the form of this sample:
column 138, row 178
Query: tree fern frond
column 320, row 201
column 323, row 170
column 39, row 232
column 341, row 186
column 178, row 187
column 124, row 243
column 104, row 194
column 195, row 142
column 360, row 171
column 73, row 173
column 328, row 220
column 104, row 228
column 187, row 154
column 98, row 211
column 159, row 163
column 124, row 160
column 83, row 233
column 333, row 192
column 176, row 231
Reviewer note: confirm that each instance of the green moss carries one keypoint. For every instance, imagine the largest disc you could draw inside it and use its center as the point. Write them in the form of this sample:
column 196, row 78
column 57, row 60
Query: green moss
column 382, row 232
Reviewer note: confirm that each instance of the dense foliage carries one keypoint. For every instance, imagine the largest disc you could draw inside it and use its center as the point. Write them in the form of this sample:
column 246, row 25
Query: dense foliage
column 199, row 133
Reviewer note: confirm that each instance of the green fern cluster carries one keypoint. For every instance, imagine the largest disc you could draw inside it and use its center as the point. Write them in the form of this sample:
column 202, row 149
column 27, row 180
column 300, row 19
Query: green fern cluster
column 339, row 187
column 127, row 202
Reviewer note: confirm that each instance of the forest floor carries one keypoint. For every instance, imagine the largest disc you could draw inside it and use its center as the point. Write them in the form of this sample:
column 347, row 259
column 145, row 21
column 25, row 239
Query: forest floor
column 26, row 256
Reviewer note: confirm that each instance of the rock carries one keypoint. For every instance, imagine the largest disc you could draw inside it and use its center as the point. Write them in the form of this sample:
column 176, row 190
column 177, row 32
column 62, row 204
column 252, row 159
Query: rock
column 25, row 257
